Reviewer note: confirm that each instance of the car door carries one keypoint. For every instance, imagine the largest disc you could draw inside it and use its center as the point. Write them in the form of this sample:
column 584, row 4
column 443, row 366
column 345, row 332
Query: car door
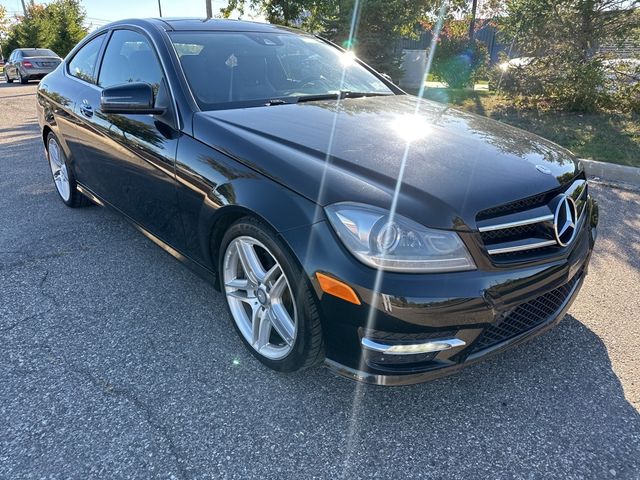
column 80, row 80
column 132, row 160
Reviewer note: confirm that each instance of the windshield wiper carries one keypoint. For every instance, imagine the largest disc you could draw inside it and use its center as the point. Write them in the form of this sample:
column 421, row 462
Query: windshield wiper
column 340, row 95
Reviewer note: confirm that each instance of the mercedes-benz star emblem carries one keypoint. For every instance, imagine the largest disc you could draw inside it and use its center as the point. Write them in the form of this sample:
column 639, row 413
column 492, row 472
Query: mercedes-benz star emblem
column 543, row 169
column 564, row 223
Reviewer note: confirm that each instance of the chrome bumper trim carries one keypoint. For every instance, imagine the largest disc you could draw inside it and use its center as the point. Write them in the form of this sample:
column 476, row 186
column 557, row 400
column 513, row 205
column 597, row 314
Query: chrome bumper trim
column 436, row 345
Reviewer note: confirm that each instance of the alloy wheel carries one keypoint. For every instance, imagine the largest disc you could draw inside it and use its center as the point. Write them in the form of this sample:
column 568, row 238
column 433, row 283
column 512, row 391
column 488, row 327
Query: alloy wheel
column 59, row 170
column 260, row 297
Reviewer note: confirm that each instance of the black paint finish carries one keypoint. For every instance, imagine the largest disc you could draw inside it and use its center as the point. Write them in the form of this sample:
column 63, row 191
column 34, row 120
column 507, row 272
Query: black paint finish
column 184, row 175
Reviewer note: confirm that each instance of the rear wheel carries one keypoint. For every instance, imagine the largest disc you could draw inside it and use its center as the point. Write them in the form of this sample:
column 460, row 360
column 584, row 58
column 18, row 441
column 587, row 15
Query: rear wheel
column 62, row 174
column 21, row 79
column 269, row 300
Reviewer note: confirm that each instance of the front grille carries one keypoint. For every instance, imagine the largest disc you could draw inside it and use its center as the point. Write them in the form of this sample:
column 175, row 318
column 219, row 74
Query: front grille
column 519, row 205
column 524, row 230
column 526, row 316
column 510, row 233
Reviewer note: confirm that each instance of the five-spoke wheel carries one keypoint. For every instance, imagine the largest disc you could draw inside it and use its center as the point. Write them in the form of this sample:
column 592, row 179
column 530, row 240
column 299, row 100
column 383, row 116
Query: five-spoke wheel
column 59, row 169
column 63, row 177
column 268, row 297
column 260, row 297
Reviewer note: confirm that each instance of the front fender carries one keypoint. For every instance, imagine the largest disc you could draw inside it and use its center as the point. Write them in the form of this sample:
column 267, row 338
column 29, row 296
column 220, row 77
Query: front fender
column 214, row 190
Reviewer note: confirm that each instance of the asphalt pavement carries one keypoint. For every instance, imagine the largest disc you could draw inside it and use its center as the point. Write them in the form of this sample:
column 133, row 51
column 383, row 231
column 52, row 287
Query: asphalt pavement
column 116, row 361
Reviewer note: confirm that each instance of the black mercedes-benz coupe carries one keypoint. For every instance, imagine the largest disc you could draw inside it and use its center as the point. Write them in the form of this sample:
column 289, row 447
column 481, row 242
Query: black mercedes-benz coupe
column 343, row 219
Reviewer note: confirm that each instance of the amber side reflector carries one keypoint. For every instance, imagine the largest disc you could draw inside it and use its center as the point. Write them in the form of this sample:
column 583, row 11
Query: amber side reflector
column 337, row 288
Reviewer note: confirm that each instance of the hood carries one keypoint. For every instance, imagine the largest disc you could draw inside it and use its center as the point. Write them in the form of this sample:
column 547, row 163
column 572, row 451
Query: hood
column 453, row 164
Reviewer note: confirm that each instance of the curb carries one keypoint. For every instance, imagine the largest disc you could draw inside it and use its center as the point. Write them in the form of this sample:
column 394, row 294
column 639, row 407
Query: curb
column 612, row 173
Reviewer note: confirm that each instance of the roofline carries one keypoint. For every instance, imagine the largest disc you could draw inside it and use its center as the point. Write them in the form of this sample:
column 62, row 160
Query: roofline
column 166, row 24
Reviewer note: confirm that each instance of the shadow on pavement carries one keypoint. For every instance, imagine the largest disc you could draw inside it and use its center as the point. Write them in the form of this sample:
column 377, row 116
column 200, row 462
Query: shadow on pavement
column 618, row 237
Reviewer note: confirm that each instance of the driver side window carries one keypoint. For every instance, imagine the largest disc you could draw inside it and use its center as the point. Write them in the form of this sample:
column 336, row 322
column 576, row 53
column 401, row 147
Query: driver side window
column 128, row 58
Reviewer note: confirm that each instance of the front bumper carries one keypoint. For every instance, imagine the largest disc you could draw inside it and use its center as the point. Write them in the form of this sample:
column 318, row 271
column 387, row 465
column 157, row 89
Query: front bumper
column 486, row 310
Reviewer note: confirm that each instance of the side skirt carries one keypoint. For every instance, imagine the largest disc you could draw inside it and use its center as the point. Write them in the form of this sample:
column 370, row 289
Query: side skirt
column 196, row 267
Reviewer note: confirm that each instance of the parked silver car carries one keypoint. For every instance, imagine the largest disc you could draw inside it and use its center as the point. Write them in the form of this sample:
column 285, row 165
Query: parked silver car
column 26, row 64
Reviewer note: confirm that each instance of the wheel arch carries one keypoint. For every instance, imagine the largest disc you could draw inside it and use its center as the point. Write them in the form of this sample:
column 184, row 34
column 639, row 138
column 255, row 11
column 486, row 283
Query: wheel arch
column 282, row 210
column 46, row 130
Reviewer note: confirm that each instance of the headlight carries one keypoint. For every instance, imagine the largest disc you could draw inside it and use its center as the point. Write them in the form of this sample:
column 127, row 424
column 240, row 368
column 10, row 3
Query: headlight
column 400, row 245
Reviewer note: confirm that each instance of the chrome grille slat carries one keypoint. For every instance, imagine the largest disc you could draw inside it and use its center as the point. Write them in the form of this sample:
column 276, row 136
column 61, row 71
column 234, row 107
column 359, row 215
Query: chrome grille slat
column 528, row 221
column 522, row 248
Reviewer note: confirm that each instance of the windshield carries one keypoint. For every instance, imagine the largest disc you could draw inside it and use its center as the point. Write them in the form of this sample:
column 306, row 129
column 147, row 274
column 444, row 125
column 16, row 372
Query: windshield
column 38, row 52
column 227, row 69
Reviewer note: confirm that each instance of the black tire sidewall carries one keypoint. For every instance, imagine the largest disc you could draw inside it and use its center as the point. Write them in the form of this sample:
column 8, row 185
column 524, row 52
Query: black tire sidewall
column 298, row 357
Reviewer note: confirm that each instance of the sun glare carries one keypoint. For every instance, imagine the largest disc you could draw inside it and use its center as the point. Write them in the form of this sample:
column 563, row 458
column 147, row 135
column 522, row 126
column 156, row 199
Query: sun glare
column 410, row 127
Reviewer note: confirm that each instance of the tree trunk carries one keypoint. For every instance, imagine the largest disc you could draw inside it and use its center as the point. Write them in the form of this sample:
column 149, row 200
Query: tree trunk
column 472, row 24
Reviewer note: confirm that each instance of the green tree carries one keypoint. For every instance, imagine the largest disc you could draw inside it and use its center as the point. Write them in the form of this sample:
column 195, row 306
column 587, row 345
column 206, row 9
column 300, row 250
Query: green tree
column 563, row 36
column 57, row 26
column 4, row 27
column 63, row 25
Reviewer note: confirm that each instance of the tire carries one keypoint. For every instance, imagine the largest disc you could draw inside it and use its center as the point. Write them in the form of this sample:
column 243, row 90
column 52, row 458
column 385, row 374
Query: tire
column 305, row 347
column 6, row 77
column 22, row 79
column 62, row 175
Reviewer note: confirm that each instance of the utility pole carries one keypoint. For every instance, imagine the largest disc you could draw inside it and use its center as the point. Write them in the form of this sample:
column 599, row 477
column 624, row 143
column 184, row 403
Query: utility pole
column 160, row 8
column 209, row 9
column 472, row 24
column 24, row 8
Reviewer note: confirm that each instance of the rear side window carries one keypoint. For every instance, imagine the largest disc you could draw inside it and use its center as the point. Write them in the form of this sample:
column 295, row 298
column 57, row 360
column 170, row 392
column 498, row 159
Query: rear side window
column 83, row 63
column 129, row 57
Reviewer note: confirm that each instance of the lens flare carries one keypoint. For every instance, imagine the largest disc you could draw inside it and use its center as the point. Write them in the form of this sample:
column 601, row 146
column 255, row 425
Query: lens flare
column 348, row 58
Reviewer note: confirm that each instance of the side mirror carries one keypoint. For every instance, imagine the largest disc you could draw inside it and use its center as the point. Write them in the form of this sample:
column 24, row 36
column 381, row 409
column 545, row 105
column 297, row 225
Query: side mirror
column 129, row 98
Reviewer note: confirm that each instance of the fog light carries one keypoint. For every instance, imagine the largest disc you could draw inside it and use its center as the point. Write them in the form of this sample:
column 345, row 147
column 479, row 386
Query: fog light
column 412, row 348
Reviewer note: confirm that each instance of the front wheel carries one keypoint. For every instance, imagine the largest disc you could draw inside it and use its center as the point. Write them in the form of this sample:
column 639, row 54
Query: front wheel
column 270, row 301
column 6, row 77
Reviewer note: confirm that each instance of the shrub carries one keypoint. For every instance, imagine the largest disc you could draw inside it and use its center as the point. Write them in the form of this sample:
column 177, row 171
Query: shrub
column 457, row 61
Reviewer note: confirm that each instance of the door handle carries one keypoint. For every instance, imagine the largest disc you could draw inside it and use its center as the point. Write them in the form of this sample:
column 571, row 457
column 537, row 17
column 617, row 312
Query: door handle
column 86, row 109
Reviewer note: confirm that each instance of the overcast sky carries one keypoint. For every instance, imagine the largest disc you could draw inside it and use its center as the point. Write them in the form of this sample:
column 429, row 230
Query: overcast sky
column 100, row 12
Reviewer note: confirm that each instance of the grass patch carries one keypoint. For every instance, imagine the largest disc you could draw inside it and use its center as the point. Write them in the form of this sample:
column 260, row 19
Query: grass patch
column 607, row 137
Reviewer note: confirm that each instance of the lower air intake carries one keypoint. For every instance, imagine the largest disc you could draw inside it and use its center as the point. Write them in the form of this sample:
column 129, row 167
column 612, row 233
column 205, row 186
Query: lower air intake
column 526, row 316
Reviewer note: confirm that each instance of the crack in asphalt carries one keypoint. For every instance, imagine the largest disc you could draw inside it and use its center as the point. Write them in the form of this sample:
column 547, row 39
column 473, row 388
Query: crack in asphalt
column 25, row 319
column 110, row 390
column 37, row 314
